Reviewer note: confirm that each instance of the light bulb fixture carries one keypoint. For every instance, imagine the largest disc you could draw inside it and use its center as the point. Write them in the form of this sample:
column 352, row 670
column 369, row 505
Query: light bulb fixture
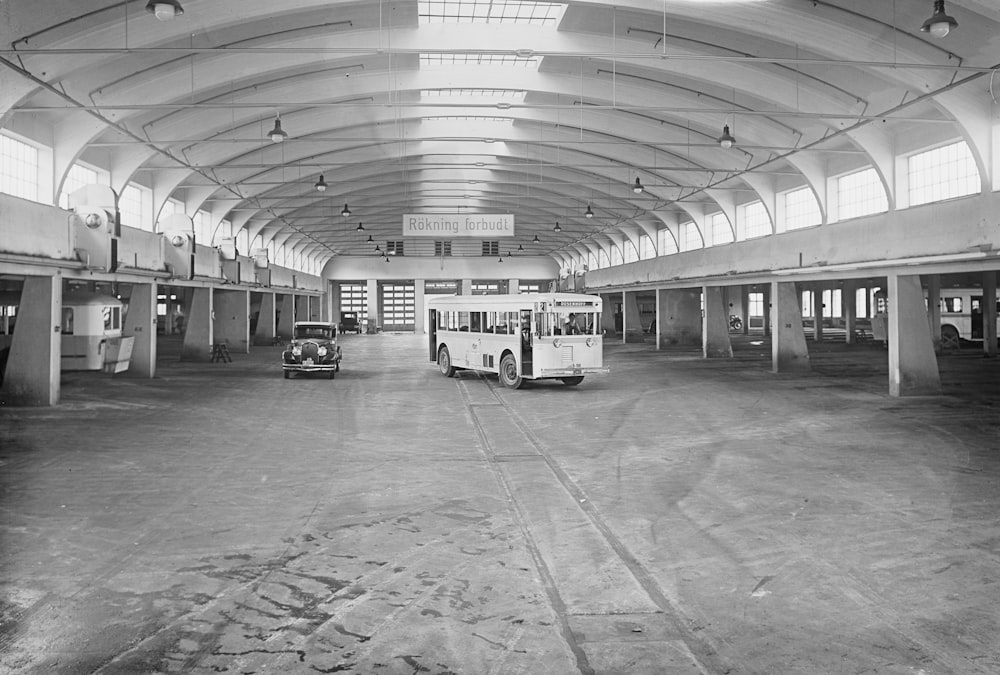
column 277, row 134
column 940, row 24
column 589, row 213
column 726, row 140
column 321, row 184
column 164, row 10
column 557, row 228
column 637, row 188
column 499, row 260
column 508, row 254
column 346, row 213
column 377, row 249
column 535, row 240
column 360, row 227
column 387, row 259
column 370, row 240
column 520, row 248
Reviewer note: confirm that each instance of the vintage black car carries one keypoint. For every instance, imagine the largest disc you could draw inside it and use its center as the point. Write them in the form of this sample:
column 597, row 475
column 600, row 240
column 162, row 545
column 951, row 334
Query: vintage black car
column 349, row 322
column 313, row 349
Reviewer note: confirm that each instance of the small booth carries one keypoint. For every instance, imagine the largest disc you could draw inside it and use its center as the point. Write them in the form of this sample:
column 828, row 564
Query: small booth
column 91, row 324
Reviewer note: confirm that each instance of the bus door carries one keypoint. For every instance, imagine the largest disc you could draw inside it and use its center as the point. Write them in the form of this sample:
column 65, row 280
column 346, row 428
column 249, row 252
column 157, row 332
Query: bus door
column 527, row 362
column 432, row 324
column 976, row 306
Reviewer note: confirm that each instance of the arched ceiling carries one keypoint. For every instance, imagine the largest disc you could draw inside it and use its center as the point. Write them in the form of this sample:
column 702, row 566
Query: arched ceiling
column 536, row 119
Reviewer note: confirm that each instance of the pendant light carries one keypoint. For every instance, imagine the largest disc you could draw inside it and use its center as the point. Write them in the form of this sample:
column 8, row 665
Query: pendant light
column 360, row 227
column 370, row 240
column 520, row 248
column 321, row 184
column 535, row 240
column 557, row 228
column 940, row 24
column 637, row 188
column 277, row 134
column 589, row 212
column 346, row 213
column 726, row 140
column 164, row 10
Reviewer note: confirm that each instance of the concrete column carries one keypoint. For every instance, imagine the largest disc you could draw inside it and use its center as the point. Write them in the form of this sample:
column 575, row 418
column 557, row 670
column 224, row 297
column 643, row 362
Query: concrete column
column 632, row 326
column 788, row 344
column 232, row 320
column 140, row 323
column 848, row 306
column 656, row 319
column 989, row 313
column 375, row 302
column 198, row 336
column 913, row 369
column 766, row 290
column 607, row 313
column 264, row 332
column 745, row 308
column 335, row 302
column 286, row 315
column 419, row 315
column 34, row 361
column 933, row 282
column 513, row 286
column 466, row 287
column 678, row 317
column 715, row 324
column 315, row 308
column 817, row 303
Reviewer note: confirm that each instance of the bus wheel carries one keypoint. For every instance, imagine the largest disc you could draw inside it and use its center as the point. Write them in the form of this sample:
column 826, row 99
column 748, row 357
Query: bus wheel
column 508, row 372
column 572, row 381
column 444, row 363
column 949, row 338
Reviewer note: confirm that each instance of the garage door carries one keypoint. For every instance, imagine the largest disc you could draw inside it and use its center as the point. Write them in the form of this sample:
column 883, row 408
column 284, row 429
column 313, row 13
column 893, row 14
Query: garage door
column 398, row 310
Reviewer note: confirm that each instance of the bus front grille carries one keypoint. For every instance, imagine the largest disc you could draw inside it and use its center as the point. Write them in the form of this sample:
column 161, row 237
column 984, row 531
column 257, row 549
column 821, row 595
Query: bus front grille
column 567, row 355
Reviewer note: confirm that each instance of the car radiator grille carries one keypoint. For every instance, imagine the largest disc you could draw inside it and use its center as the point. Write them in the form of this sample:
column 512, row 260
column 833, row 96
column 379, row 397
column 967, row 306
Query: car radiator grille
column 310, row 350
column 567, row 356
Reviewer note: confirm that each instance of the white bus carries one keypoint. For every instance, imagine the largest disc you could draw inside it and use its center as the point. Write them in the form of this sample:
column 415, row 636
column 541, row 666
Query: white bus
column 521, row 337
column 962, row 315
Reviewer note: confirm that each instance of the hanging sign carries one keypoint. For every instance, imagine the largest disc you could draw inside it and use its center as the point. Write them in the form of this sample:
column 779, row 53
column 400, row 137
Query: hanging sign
column 445, row 226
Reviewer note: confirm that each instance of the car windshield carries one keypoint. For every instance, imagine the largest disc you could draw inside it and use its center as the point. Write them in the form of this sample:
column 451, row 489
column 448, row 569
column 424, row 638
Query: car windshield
column 313, row 332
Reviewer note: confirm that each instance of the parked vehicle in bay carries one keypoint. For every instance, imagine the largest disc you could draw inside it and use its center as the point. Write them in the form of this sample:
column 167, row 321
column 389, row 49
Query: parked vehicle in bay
column 313, row 349
column 349, row 322
column 527, row 336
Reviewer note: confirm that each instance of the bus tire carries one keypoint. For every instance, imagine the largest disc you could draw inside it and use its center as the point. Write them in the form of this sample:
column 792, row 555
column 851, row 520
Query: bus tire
column 509, row 376
column 572, row 381
column 444, row 362
column 949, row 337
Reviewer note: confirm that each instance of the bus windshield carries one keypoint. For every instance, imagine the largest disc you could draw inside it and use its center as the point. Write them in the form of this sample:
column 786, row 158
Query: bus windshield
column 566, row 323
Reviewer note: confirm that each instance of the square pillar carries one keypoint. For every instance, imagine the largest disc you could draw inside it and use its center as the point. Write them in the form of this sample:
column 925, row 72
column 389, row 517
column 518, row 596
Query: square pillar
column 198, row 336
column 913, row 369
column 140, row 323
column 715, row 324
column 264, row 332
column 34, row 362
column 933, row 282
column 989, row 313
column 232, row 320
column 286, row 316
column 788, row 343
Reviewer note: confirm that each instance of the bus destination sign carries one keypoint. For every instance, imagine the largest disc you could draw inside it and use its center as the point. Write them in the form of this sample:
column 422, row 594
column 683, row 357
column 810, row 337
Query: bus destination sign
column 441, row 225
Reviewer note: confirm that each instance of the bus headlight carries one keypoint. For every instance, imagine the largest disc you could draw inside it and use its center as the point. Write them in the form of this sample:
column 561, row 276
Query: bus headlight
column 557, row 343
column 590, row 342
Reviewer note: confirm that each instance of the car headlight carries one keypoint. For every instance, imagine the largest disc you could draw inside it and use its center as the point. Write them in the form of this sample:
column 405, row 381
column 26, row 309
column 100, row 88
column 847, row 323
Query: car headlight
column 321, row 351
column 296, row 350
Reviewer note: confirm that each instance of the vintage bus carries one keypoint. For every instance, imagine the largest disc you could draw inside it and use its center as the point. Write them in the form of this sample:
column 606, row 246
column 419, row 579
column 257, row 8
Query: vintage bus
column 529, row 336
column 962, row 315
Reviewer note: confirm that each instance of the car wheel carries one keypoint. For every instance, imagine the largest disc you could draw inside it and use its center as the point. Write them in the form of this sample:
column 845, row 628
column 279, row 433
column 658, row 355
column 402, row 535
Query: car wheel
column 508, row 372
column 444, row 362
column 288, row 374
column 572, row 381
column 331, row 374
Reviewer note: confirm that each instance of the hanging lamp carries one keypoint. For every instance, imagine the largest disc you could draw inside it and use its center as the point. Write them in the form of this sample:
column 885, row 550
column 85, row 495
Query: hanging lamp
column 321, row 184
column 589, row 213
column 360, row 227
column 940, row 24
column 637, row 188
column 277, row 134
column 557, row 228
column 346, row 213
column 164, row 10
column 726, row 140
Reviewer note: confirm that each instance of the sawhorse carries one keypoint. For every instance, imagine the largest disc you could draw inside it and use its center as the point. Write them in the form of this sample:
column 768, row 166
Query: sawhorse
column 220, row 352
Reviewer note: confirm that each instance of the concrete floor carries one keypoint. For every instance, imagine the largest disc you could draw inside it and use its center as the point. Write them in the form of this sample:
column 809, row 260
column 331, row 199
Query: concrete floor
column 678, row 516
